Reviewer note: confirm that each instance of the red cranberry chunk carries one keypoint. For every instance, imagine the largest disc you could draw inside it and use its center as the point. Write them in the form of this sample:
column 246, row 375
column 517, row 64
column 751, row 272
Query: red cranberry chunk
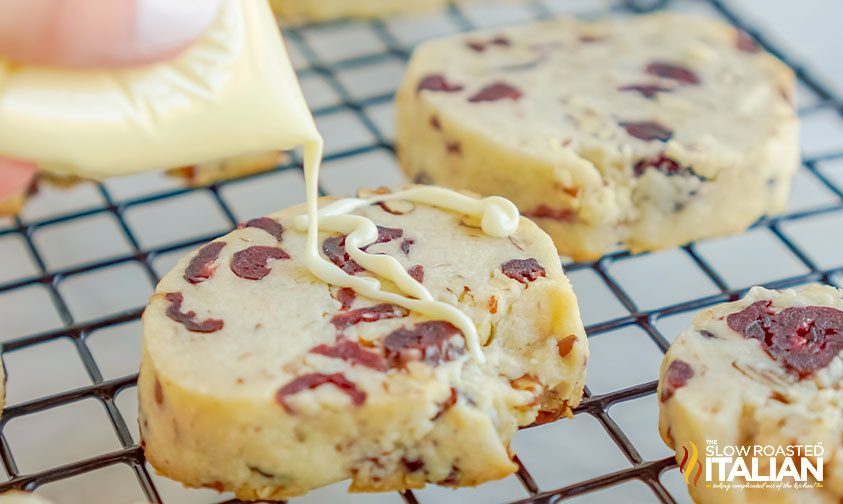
column 677, row 375
column 661, row 163
column 803, row 339
column 188, row 319
column 353, row 353
column 672, row 71
column 480, row 46
column 646, row 90
column 334, row 248
column 412, row 465
column 250, row 263
column 523, row 270
column 426, row 341
column 437, row 82
column 368, row 314
column 545, row 212
column 271, row 226
column 454, row 148
column 346, row 297
column 314, row 380
column 201, row 266
column 386, row 234
column 647, row 131
column 405, row 245
column 417, row 272
column 448, row 404
column 496, row 91
column 745, row 43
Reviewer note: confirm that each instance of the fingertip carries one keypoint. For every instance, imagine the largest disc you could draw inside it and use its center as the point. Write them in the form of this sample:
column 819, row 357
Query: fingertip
column 15, row 177
column 101, row 33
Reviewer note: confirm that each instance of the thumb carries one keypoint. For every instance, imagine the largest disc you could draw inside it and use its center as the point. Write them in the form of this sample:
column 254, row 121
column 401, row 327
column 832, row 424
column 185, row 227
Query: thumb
column 15, row 178
column 100, row 33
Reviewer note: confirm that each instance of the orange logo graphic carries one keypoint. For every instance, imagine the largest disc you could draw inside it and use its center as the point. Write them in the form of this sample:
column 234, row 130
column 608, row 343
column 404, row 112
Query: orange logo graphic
column 688, row 464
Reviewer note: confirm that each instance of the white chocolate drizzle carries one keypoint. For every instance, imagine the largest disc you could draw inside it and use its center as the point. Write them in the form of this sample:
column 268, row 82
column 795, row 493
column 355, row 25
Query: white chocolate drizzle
column 498, row 216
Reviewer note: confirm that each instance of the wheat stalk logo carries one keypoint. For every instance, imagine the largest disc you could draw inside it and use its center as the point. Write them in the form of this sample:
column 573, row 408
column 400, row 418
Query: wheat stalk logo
column 688, row 464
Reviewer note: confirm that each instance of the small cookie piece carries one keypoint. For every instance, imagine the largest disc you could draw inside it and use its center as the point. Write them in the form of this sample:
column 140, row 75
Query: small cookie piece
column 766, row 370
column 202, row 174
column 297, row 11
column 15, row 497
column 260, row 379
column 643, row 132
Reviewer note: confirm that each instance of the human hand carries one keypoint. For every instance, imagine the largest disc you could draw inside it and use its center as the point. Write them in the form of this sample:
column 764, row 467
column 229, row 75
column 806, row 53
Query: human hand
column 93, row 34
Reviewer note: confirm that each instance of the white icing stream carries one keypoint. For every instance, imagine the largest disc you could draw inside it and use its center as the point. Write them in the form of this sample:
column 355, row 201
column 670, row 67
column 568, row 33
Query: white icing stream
column 498, row 217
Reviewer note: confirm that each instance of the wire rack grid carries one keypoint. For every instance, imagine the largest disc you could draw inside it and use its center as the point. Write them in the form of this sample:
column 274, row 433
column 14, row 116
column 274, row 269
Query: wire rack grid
column 640, row 470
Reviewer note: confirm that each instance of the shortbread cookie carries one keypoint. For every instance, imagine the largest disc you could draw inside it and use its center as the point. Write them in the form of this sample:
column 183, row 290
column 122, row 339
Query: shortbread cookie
column 260, row 379
column 199, row 174
column 643, row 132
column 765, row 370
column 206, row 173
column 322, row 10
column 15, row 497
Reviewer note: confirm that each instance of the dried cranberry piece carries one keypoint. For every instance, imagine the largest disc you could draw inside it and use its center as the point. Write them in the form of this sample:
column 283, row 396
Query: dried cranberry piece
column 187, row 319
column 426, row 341
column 672, row 71
column 352, row 352
column 386, row 234
column 271, row 226
column 677, row 375
column 647, row 131
column 803, row 339
column 646, row 90
column 250, row 263
column 437, row 82
column 368, row 314
column 545, row 212
column 314, row 380
column 523, row 270
column 417, row 272
column 746, row 43
column 452, row 479
column 405, row 245
column 412, row 465
column 201, row 266
column 435, row 124
column 661, row 163
column 480, row 46
column 346, row 297
column 496, row 91
column 334, row 248
column 448, row 404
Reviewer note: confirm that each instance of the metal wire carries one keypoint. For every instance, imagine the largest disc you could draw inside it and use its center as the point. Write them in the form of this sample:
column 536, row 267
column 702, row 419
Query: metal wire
column 597, row 406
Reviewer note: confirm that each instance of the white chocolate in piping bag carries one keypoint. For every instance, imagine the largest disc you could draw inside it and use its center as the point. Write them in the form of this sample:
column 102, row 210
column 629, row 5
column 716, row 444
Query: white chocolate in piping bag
column 232, row 92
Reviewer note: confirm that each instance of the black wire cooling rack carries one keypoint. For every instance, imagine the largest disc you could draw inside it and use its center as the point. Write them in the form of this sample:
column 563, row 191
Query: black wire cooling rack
column 597, row 405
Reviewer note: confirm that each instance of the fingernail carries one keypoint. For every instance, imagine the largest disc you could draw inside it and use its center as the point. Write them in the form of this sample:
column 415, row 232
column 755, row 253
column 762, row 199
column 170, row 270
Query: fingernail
column 165, row 27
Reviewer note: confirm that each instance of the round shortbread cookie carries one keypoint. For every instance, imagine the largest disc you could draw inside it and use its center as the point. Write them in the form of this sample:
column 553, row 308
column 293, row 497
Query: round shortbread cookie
column 766, row 370
column 324, row 10
column 644, row 132
column 261, row 379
